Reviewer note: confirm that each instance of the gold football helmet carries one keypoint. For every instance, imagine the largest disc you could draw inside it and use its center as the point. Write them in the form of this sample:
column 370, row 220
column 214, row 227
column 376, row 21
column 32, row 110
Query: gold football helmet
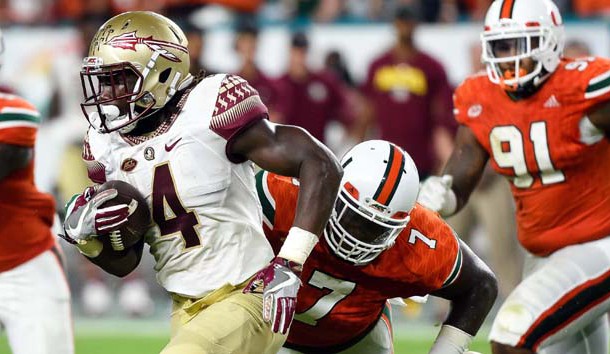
column 136, row 63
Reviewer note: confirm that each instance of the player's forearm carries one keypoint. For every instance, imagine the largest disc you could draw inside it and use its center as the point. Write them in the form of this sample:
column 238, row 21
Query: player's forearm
column 319, row 178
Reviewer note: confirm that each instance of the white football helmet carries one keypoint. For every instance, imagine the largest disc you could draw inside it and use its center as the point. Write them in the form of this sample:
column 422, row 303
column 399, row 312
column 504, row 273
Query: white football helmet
column 525, row 29
column 378, row 190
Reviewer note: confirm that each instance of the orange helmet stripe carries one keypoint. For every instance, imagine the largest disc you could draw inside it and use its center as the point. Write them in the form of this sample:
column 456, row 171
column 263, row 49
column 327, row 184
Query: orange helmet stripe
column 391, row 177
column 507, row 9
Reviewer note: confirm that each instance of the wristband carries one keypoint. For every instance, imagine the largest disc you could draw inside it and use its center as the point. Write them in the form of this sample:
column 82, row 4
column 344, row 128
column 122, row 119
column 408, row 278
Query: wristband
column 451, row 340
column 298, row 245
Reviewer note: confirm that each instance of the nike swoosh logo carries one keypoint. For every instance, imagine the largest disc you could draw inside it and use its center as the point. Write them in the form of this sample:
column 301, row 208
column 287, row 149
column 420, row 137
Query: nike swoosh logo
column 169, row 148
column 292, row 279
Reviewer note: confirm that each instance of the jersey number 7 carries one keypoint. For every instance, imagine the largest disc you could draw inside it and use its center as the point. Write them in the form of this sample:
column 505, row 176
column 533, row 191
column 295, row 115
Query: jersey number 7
column 339, row 290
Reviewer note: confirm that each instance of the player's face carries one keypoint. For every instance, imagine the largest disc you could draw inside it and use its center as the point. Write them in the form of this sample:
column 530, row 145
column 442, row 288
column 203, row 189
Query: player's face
column 116, row 87
column 514, row 47
column 405, row 30
column 362, row 229
column 246, row 46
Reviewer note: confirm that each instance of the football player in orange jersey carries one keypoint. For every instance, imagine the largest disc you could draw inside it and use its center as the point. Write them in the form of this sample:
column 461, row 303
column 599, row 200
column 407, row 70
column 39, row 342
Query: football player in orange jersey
column 542, row 121
column 34, row 293
column 377, row 245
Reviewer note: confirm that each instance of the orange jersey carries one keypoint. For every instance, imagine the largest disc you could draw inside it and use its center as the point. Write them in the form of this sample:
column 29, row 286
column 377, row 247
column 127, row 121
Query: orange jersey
column 555, row 158
column 26, row 214
column 339, row 302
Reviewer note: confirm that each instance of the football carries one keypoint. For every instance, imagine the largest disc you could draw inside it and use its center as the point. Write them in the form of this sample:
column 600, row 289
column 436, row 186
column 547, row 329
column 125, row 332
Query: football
column 138, row 221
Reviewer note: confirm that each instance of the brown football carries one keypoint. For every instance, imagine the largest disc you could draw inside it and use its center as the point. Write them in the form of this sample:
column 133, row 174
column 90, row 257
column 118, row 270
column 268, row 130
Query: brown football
column 138, row 221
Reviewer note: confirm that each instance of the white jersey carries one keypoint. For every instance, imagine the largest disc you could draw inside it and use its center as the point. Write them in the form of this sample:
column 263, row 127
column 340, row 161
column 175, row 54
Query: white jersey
column 207, row 218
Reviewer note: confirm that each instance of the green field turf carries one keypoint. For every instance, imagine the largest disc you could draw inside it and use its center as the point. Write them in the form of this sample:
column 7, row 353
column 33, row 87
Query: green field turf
column 128, row 337
column 141, row 344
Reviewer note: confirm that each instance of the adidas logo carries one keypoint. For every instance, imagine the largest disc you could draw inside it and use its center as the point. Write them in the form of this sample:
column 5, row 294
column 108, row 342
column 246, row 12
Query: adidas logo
column 552, row 102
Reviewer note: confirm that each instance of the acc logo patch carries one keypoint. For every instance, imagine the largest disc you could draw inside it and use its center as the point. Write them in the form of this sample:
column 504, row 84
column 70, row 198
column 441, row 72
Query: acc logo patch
column 475, row 111
column 129, row 164
column 149, row 153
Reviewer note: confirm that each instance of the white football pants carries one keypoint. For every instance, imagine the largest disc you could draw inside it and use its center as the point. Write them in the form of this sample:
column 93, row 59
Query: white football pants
column 560, row 306
column 35, row 306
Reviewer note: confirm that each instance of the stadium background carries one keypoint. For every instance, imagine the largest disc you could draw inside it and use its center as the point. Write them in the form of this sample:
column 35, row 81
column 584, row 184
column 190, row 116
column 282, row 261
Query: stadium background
column 44, row 44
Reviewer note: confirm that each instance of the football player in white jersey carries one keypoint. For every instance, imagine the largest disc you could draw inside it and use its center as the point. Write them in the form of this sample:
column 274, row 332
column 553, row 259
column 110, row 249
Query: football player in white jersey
column 185, row 143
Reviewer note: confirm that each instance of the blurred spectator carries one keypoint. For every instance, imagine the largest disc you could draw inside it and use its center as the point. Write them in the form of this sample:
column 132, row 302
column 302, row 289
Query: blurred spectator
column 79, row 10
column 409, row 97
column 384, row 10
column 586, row 8
column 246, row 37
column 196, row 40
column 336, row 140
column 328, row 10
column 491, row 208
column 312, row 99
column 474, row 9
column 576, row 48
column 29, row 12
column 335, row 64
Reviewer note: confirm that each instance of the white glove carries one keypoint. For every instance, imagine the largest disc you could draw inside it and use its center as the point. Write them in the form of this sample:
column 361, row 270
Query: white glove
column 90, row 220
column 436, row 194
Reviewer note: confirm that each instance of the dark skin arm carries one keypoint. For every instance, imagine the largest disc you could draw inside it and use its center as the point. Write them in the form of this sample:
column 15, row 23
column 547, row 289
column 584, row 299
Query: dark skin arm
column 472, row 294
column 466, row 165
column 291, row 151
column 14, row 157
column 285, row 150
column 600, row 117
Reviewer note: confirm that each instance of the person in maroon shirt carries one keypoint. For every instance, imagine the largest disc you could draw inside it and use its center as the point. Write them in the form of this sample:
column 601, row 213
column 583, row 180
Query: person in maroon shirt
column 246, row 37
column 311, row 99
column 410, row 98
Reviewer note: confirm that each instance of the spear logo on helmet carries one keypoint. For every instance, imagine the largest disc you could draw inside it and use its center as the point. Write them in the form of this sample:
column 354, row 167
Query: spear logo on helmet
column 129, row 41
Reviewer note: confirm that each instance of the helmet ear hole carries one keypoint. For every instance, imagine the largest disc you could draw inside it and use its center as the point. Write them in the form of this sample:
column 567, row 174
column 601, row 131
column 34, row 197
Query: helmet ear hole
column 164, row 75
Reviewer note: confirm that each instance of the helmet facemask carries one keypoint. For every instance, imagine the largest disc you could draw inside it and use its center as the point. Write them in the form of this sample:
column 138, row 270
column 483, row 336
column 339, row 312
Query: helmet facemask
column 359, row 233
column 501, row 48
column 113, row 96
column 137, row 62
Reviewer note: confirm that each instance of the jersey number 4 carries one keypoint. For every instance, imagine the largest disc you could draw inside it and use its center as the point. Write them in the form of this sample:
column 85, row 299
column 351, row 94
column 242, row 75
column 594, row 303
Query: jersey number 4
column 169, row 212
column 508, row 151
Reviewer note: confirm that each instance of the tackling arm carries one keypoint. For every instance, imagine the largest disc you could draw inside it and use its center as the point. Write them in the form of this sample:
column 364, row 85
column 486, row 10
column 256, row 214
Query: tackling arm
column 13, row 157
column 472, row 295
